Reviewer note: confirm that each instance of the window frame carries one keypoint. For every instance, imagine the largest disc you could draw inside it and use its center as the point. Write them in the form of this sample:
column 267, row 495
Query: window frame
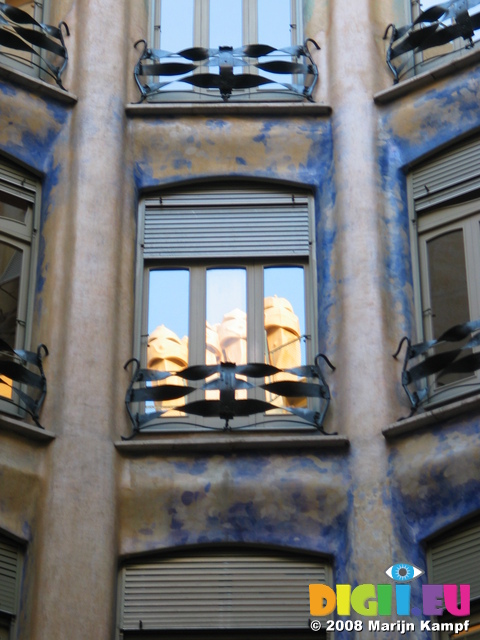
column 447, row 204
column 255, row 267
column 201, row 39
column 23, row 236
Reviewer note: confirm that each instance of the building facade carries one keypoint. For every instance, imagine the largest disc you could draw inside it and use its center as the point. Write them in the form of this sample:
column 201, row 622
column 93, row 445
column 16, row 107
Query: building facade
column 202, row 215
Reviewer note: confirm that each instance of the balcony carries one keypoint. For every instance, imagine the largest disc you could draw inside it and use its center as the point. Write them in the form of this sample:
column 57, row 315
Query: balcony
column 30, row 43
column 434, row 373
column 439, row 33
column 291, row 70
column 224, row 391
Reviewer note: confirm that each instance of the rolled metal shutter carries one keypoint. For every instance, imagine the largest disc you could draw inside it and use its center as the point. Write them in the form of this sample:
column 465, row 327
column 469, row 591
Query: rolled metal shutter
column 9, row 560
column 455, row 173
column 455, row 559
column 220, row 591
column 226, row 223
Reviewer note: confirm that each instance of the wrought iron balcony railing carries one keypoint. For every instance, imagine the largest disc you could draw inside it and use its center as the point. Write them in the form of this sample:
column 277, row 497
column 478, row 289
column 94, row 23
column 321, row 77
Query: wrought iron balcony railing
column 149, row 387
column 188, row 66
column 22, row 379
column 422, row 372
column 24, row 39
column 437, row 26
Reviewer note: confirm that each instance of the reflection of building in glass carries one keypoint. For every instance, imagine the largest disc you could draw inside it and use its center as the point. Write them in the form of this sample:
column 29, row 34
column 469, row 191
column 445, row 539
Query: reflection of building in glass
column 227, row 342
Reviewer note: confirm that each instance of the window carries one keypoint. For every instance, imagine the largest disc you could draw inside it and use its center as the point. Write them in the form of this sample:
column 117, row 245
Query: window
column 19, row 196
column 446, row 257
column 242, row 594
column 176, row 25
column 10, row 572
column 454, row 558
column 22, row 60
column 227, row 277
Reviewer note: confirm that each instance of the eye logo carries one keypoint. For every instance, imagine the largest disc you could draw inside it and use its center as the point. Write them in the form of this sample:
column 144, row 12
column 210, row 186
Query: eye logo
column 403, row 572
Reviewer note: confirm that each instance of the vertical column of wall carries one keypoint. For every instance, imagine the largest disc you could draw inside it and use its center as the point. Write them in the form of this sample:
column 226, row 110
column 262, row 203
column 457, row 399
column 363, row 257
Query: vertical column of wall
column 363, row 386
column 77, row 541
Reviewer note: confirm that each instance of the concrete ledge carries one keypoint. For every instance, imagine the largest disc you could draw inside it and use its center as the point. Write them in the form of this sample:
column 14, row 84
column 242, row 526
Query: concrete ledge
column 35, row 85
column 427, row 78
column 434, row 416
column 208, row 443
column 24, row 429
column 276, row 109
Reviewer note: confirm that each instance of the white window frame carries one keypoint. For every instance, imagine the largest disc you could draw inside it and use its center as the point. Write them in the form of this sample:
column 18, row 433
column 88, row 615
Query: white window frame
column 23, row 236
column 7, row 55
column 443, row 196
column 201, row 39
column 255, row 311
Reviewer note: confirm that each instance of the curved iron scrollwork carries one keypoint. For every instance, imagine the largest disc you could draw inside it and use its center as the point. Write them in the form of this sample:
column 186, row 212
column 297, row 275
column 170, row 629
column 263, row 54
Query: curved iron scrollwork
column 22, row 374
column 417, row 368
column 150, row 386
column 21, row 33
column 186, row 66
column 429, row 30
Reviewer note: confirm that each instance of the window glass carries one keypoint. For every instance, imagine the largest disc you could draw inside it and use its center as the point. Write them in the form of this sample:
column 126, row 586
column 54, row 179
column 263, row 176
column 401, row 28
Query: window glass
column 12, row 208
column 274, row 28
column 284, row 289
column 225, row 23
column 448, row 281
column 10, row 272
column 448, row 289
column 284, row 317
column 167, row 347
column 227, row 315
column 176, row 25
column 274, row 23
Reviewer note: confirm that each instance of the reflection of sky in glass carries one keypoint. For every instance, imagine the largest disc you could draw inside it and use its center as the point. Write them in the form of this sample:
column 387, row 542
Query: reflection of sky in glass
column 274, row 23
column 226, row 291
column 168, row 300
column 176, row 25
column 225, row 23
column 288, row 282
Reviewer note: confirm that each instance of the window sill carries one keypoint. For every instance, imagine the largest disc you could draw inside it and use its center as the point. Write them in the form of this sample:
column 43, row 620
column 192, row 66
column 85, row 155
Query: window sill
column 24, row 429
column 279, row 109
column 435, row 416
column 230, row 442
column 36, row 85
column 427, row 78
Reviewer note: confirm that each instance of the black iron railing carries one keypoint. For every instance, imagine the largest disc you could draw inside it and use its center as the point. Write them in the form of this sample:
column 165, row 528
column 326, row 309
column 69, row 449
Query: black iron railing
column 422, row 373
column 188, row 66
column 150, row 390
column 434, row 27
column 24, row 39
column 23, row 380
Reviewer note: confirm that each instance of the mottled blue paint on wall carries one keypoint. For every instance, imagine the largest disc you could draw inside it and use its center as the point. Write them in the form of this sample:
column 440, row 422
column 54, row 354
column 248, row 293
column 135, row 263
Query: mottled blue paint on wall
column 7, row 89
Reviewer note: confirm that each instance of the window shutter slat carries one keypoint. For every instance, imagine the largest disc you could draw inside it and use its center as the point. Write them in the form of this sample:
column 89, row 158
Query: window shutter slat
column 455, row 173
column 226, row 224
column 8, row 576
column 456, row 559
column 219, row 591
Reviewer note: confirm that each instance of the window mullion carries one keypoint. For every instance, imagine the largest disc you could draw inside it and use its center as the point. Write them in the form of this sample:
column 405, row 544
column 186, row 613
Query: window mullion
column 250, row 22
column 198, row 315
column 201, row 35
